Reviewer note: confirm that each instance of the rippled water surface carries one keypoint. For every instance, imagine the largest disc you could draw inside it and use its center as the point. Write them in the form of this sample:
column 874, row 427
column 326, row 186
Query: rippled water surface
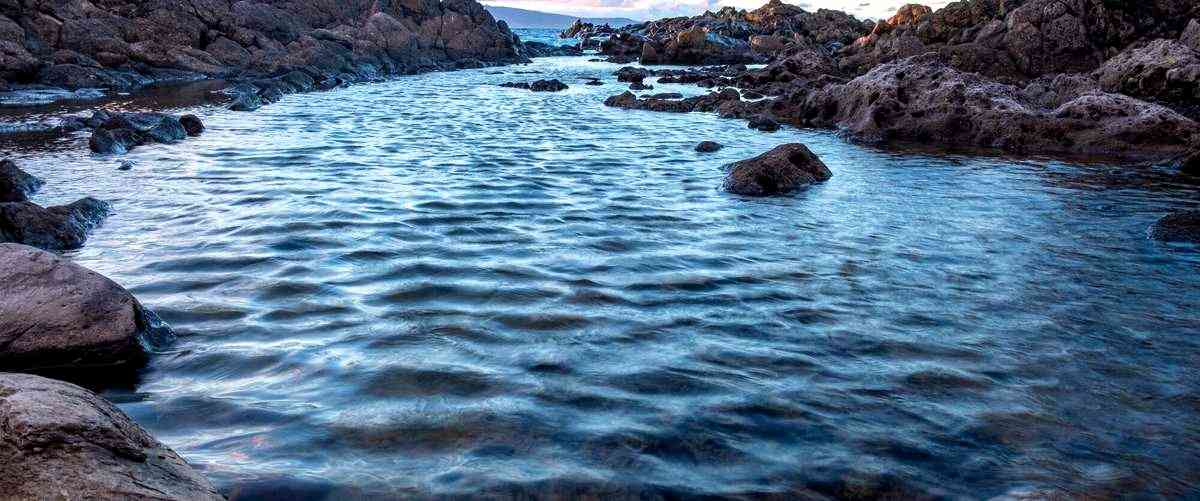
column 439, row 287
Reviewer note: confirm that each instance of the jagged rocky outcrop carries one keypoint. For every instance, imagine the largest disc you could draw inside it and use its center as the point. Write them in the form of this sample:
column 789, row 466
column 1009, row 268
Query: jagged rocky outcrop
column 731, row 36
column 1022, row 39
column 1178, row 226
column 124, row 44
column 59, row 315
column 782, row 170
column 16, row 185
column 60, row 441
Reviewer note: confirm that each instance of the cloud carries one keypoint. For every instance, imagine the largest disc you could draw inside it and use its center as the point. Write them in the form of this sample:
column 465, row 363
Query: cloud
column 654, row 9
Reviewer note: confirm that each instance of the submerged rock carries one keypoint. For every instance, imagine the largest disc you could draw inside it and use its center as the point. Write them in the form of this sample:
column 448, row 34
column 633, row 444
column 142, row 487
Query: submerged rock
column 114, row 141
column 708, row 147
column 192, row 125
column 117, row 133
column 60, row 441
column 782, row 170
column 764, row 124
column 16, row 185
column 53, row 228
column 1179, row 226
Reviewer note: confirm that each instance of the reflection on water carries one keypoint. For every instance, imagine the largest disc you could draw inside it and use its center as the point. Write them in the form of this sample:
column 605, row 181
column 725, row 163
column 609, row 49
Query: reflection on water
column 438, row 287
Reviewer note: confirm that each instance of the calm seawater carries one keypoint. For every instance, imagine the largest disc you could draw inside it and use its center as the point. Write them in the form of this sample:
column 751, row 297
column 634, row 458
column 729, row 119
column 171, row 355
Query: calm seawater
column 436, row 287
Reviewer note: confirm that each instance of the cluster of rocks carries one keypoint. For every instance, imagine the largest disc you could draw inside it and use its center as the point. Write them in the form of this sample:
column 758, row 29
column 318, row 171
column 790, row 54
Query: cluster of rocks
column 590, row 35
column 727, row 36
column 1021, row 76
column 62, row 227
column 553, row 85
column 117, row 133
column 58, row 440
column 123, row 44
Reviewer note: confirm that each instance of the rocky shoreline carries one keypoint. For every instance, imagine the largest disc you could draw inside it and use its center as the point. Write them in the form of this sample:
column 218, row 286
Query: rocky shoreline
column 1028, row 77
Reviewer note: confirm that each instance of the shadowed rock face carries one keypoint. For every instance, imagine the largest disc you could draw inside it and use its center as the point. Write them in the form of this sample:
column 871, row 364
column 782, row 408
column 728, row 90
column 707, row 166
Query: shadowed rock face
column 780, row 171
column 126, row 43
column 60, row 441
column 59, row 315
column 16, row 185
column 61, row 227
column 1180, row 226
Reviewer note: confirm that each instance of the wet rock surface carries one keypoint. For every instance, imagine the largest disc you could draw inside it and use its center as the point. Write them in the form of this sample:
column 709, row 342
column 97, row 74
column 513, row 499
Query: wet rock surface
column 16, row 185
column 61, row 227
column 59, row 315
column 1179, row 226
column 117, row 133
column 780, row 171
column 708, row 147
column 538, row 86
column 60, row 441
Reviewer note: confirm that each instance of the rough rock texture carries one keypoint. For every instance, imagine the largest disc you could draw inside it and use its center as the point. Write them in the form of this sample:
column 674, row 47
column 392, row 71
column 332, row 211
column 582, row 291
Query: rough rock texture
column 732, row 36
column 924, row 99
column 539, row 49
column 1179, row 226
column 1020, row 39
column 62, row 227
column 782, row 170
column 61, row 315
column 130, row 43
column 60, row 441
column 16, row 185
column 538, row 86
column 1166, row 71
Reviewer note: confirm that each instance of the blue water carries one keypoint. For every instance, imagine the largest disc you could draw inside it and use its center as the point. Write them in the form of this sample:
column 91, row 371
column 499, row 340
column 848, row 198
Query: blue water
column 439, row 287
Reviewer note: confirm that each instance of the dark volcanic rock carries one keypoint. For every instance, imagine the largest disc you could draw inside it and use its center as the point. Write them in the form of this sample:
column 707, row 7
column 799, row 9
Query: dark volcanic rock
column 248, row 101
column 539, row 49
column 1179, row 226
column 16, row 185
column 708, row 147
column 640, row 86
column 114, row 141
column 1164, row 71
column 547, row 86
column 127, row 43
column 54, row 228
column 764, row 124
column 60, row 441
column 666, row 95
column 782, row 170
column 192, row 125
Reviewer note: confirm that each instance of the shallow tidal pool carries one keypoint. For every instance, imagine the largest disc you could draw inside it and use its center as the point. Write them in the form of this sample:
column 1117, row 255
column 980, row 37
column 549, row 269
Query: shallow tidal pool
column 438, row 287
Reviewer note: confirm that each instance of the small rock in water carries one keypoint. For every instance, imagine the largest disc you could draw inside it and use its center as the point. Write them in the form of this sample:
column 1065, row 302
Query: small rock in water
column 192, row 124
column 246, row 102
column 16, row 185
column 547, row 86
column 114, row 141
column 666, row 95
column 640, row 86
column 776, row 172
column 1178, row 226
column 168, row 130
column 709, row 147
column 125, row 166
column 594, row 81
column 765, row 124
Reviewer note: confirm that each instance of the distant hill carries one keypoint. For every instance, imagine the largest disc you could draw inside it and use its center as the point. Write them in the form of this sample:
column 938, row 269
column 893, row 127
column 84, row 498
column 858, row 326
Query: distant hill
column 521, row 18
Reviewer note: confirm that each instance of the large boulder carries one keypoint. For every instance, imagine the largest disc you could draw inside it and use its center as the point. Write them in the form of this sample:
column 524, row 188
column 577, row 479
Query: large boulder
column 1163, row 70
column 60, row 441
column 782, row 170
column 1178, row 226
column 61, row 227
column 16, row 185
column 61, row 316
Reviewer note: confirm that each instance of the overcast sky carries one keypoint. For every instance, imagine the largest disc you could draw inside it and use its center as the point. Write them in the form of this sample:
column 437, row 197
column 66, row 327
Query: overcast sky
column 652, row 9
